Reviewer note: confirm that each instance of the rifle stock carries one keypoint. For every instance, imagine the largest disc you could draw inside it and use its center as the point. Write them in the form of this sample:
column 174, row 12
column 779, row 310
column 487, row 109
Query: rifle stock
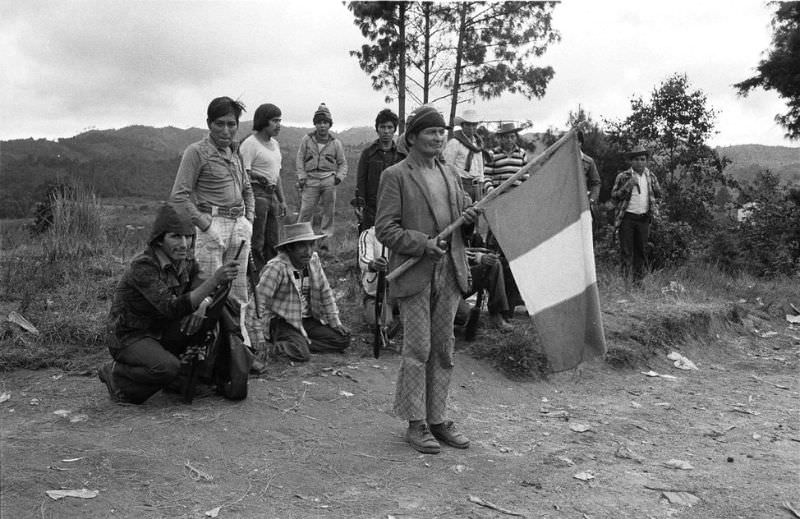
column 475, row 313
column 380, row 294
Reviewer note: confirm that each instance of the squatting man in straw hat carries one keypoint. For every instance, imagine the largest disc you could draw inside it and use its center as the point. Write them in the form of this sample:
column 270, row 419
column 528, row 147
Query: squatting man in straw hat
column 295, row 306
column 417, row 198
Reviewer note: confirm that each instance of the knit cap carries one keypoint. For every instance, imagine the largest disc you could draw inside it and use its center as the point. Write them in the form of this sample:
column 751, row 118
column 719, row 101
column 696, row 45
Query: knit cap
column 168, row 219
column 263, row 115
column 322, row 114
column 426, row 116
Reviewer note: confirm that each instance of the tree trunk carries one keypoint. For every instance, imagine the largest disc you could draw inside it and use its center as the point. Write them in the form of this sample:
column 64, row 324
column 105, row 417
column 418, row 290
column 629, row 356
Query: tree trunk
column 426, row 74
column 462, row 27
column 401, row 79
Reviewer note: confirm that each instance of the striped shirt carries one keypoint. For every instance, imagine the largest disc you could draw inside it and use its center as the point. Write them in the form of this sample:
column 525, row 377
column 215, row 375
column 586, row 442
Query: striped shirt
column 503, row 165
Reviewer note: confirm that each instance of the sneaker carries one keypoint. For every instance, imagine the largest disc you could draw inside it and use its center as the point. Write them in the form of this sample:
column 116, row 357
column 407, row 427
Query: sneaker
column 104, row 374
column 446, row 432
column 497, row 322
column 420, row 437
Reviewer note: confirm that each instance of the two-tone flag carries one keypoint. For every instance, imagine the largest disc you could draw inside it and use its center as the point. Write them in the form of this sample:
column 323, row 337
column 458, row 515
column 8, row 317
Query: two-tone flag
column 544, row 227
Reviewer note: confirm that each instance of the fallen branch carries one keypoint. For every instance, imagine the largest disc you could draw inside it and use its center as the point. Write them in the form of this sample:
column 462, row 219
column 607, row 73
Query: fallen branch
column 664, row 489
column 768, row 382
column 197, row 474
column 488, row 504
column 787, row 505
column 379, row 458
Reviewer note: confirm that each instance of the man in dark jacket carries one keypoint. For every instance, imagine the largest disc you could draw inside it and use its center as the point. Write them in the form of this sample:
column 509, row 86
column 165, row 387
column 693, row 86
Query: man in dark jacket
column 374, row 159
column 161, row 300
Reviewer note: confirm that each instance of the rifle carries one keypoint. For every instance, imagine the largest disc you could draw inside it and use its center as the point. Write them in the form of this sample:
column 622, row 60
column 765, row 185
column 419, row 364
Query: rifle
column 205, row 337
column 252, row 279
column 380, row 294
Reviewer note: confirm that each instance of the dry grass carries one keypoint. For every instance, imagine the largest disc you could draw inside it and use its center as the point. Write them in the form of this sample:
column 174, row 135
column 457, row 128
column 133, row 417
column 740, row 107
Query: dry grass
column 63, row 284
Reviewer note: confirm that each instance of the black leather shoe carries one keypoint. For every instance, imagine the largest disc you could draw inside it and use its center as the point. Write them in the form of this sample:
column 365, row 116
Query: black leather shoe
column 420, row 437
column 447, row 433
column 104, row 374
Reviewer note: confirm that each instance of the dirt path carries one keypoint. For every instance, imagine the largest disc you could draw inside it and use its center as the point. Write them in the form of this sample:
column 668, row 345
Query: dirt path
column 319, row 440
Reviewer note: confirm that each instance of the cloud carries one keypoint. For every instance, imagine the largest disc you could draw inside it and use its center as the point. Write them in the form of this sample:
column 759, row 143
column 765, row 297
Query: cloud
column 110, row 63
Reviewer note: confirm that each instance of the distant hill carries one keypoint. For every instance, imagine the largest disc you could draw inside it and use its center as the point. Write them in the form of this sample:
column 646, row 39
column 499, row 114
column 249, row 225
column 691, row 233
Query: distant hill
column 747, row 160
column 141, row 161
column 132, row 161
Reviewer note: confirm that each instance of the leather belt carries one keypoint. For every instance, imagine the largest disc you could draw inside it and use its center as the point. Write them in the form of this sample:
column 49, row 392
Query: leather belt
column 225, row 212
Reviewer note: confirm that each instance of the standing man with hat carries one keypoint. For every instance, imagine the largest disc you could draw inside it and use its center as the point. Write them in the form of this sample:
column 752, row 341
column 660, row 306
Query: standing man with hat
column 635, row 195
column 465, row 152
column 211, row 186
column 296, row 307
column 506, row 159
column 321, row 166
column 261, row 154
column 417, row 199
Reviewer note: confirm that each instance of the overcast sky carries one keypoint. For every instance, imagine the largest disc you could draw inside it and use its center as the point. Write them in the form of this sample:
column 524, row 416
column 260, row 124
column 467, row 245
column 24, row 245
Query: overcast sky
column 71, row 65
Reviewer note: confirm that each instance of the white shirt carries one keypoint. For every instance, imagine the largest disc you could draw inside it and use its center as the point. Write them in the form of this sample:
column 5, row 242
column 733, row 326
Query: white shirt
column 639, row 197
column 456, row 154
column 262, row 159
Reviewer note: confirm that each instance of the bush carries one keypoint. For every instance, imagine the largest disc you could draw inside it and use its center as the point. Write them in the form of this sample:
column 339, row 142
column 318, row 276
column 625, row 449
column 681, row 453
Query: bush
column 670, row 243
column 767, row 242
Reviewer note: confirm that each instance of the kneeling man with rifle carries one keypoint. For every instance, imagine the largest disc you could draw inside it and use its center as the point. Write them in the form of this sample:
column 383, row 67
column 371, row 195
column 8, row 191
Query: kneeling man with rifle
column 159, row 310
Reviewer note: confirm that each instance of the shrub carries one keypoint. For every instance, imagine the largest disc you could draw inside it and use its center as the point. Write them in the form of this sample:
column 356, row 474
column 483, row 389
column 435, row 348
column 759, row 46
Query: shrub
column 76, row 229
column 767, row 242
column 670, row 243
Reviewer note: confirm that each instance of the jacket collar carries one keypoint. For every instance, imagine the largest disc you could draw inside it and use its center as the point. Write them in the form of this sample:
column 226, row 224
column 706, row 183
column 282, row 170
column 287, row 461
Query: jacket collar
column 375, row 147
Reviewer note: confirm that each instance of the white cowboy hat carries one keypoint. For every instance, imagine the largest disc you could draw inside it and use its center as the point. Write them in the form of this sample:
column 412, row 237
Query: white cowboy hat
column 469, row 115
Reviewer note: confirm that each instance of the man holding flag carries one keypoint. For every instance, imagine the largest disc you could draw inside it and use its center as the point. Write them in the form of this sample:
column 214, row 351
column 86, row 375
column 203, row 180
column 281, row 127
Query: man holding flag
column 417, row 199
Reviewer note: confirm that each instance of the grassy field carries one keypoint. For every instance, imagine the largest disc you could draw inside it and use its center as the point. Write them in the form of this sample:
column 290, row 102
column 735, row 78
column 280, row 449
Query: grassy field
column 62, row 281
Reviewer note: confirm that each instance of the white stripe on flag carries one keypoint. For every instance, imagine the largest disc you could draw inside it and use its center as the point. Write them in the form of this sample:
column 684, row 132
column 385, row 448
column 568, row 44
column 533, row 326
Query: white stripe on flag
column 557, row 269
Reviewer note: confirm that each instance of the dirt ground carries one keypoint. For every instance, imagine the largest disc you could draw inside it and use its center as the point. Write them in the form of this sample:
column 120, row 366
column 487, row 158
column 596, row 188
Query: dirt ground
column 319, row 440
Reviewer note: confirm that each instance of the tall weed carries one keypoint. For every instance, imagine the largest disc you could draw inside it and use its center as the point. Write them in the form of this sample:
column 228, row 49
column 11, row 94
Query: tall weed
column 77, row 228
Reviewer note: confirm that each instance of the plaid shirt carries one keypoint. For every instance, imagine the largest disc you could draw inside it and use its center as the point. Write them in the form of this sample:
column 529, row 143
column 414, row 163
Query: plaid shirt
column 621, row 194
column 278, row 296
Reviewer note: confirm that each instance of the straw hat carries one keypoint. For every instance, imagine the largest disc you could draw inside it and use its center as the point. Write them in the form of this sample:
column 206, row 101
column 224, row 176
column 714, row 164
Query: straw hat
column 301, row 231
column 508, row 128
column 637, row 151
column 468, row 116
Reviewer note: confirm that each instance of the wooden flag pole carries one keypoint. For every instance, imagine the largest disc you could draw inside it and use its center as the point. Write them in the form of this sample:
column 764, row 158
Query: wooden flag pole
column 530, row 168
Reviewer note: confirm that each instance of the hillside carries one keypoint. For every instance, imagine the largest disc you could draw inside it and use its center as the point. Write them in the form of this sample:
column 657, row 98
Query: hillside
column 747, row 160
column 132, row 161
column 141, row 161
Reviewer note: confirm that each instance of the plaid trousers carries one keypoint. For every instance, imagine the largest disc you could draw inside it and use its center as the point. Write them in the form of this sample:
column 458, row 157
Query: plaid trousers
column 427, row 365
column 218, row 244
